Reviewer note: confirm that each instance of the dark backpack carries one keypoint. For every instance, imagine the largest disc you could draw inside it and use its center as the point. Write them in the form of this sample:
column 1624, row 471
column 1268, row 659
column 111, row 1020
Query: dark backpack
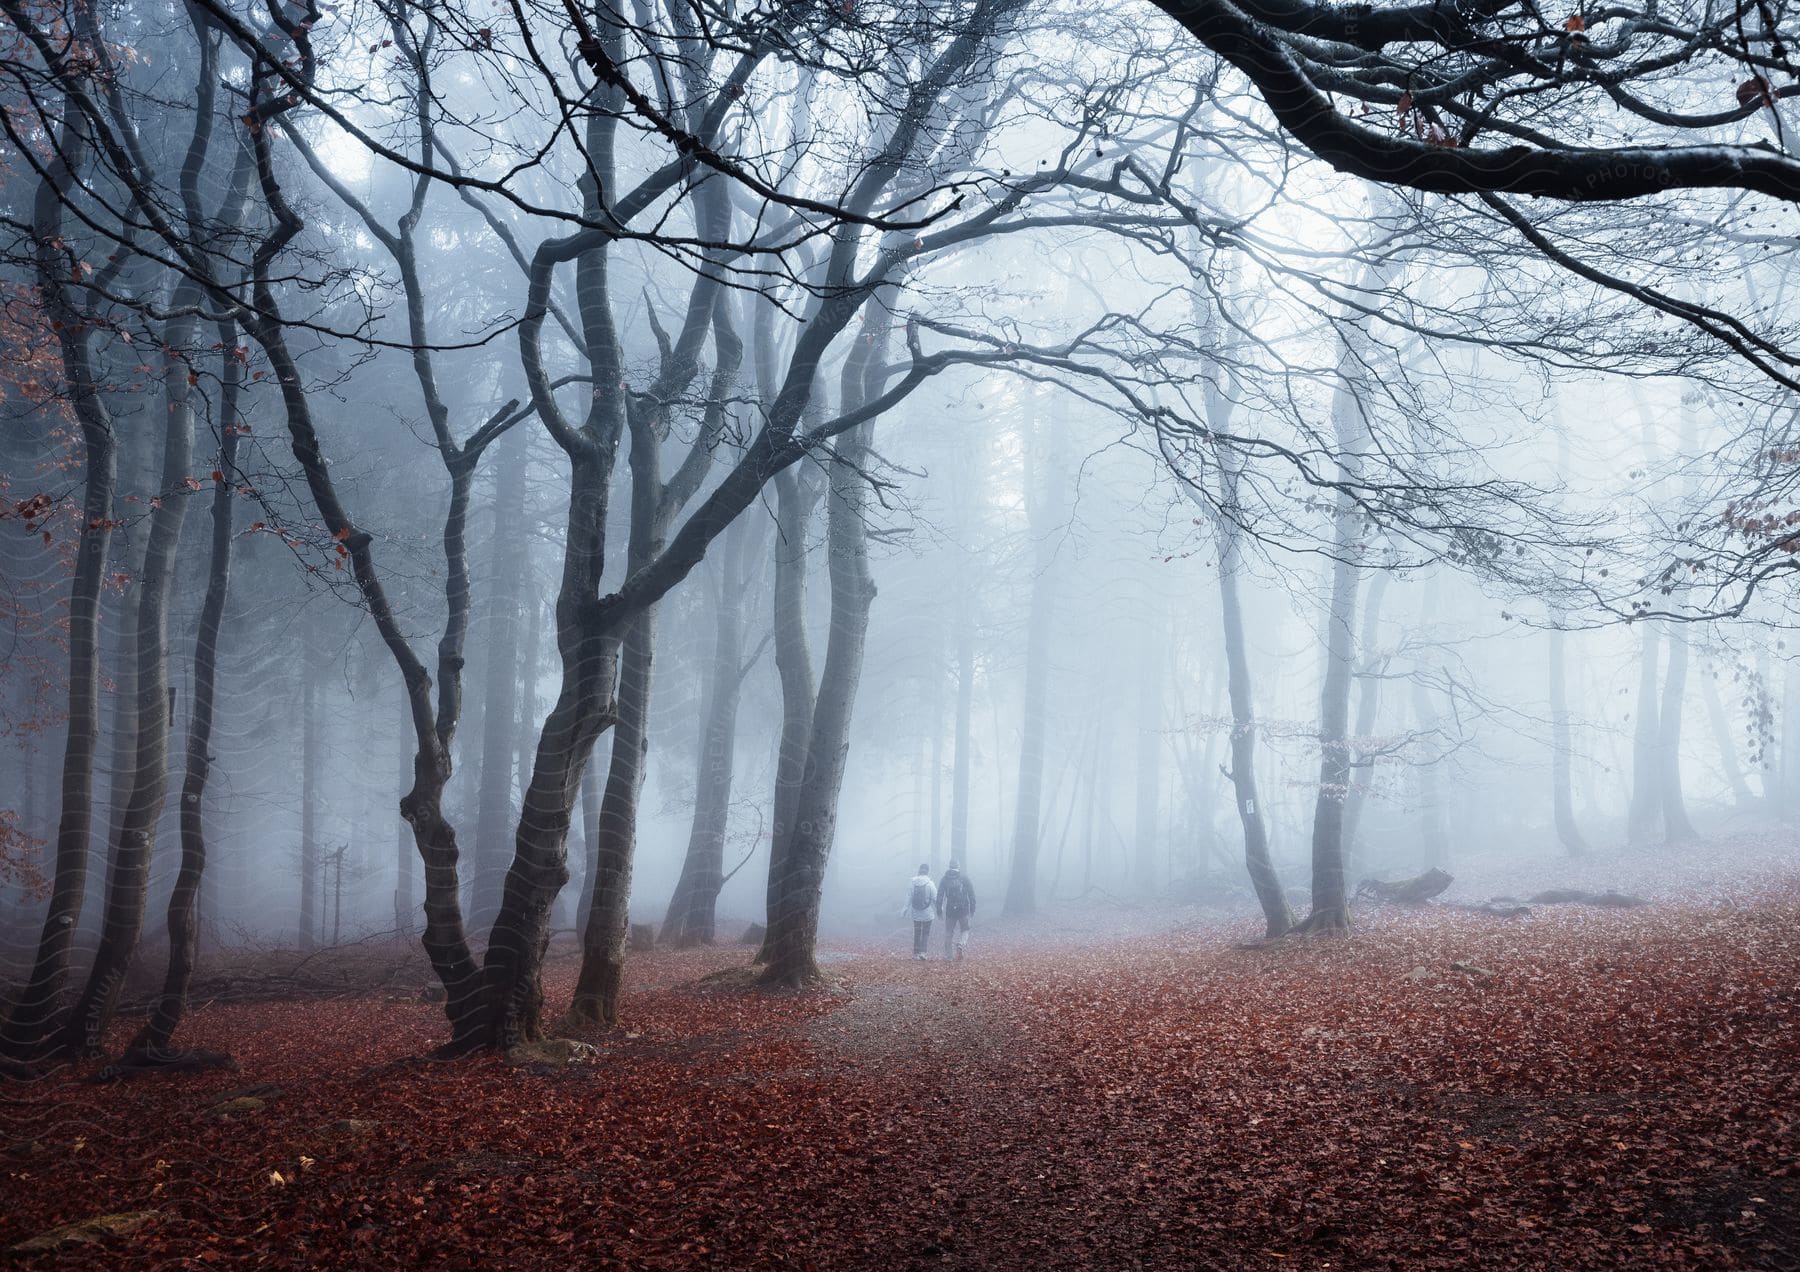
column 921, row 895
column 956, row 895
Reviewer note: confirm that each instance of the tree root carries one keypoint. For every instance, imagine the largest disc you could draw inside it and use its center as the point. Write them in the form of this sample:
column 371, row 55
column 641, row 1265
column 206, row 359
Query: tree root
column 1333, row 922
column 751, row 978
column 584, row 1020
column 136, row 1064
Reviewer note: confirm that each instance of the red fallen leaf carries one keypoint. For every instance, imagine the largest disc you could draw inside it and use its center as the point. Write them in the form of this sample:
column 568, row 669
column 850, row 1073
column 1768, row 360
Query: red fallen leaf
column 192, row 483
column 343, row 533
column 1575, row 22
column 849, row 1110
column 217, row 475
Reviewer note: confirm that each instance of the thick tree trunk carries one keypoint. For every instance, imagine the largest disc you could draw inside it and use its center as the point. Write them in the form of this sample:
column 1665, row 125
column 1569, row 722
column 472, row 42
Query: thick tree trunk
column 33, row 1013
column 794, row 919
column 406, row 898
column 525, row 697
column 1645, row 812
column 152, row 1044
column 690, row 917
column 128, row 874
column 120, row 729
column 596, row 1000
column 1677, row 827
column 793, row 665
column 1330, row 901
column 539, row 870
column 795, row 893
column 590, row 838
column 1330, row 897
column 500, row 708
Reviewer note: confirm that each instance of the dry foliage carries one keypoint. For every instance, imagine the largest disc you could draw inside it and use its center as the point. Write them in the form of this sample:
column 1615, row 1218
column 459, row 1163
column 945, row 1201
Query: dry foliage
column 1574, row 1089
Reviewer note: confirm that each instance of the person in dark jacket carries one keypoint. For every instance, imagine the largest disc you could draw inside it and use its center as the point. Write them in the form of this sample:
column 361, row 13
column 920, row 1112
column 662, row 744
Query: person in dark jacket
column 956, row 906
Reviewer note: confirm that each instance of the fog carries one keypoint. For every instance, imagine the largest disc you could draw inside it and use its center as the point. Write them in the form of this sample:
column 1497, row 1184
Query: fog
column 846, row 438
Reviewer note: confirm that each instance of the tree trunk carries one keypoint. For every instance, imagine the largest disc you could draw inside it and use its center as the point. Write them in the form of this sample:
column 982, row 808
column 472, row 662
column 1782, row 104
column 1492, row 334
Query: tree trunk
column 1433, row 839
column 1368, row 708
column 1330, row 899
column 793, row 665
column 1561, row 752
column 794, row 919
column 406, row 899
column 1646, row 803
column 120, row 730
column 1021, row 884
column 690, row 917
column 1146, row 824
column 936, row 838
column 596, row 1000
column 590, row 838
column 589, row 654
column 1677, row 827
column 34, row 1010
column 128, row 874
column 152, row 1044
column 1330, row 904
column 499, row 700
column 961, row 758
column 1278, row 919
column 312, row 758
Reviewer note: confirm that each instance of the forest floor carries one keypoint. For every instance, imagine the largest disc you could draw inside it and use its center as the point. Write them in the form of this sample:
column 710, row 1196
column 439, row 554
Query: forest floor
column 1577, row 1088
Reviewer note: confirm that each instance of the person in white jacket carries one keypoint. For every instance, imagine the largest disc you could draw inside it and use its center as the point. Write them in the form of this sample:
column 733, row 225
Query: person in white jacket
column 921, row 893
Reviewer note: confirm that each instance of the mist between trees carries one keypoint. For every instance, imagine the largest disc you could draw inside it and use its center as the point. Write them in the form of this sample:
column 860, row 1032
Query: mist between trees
column 494, row 475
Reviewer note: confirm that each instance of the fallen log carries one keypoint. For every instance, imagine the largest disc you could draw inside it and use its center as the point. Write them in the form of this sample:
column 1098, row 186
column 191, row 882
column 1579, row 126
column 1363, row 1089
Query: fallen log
column 1414, row 891
column 1575, row 896
column 1499, row 908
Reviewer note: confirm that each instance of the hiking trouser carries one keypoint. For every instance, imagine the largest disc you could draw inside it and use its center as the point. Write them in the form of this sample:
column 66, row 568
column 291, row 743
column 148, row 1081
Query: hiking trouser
column 921, row 935
column 954, row 924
